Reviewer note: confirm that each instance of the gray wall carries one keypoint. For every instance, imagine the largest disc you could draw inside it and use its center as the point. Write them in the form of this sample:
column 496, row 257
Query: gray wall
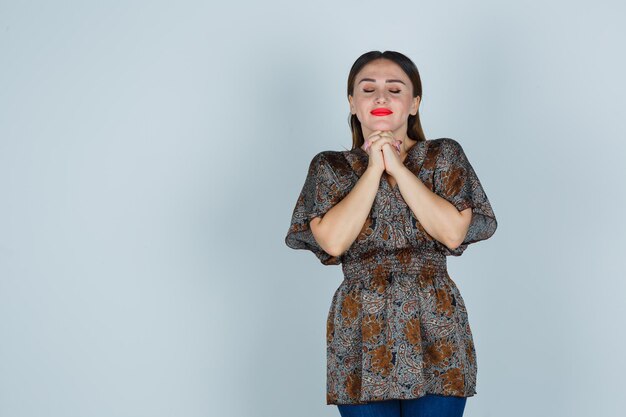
column 151, row 154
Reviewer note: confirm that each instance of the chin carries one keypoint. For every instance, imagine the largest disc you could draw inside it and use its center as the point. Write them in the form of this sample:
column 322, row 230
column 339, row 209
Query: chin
column 382, row 126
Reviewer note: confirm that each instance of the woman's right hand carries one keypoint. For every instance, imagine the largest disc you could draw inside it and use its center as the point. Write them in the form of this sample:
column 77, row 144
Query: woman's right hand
column 373, row 147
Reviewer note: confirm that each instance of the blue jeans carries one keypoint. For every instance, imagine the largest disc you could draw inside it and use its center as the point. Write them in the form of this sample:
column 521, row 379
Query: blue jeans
column 430, row 405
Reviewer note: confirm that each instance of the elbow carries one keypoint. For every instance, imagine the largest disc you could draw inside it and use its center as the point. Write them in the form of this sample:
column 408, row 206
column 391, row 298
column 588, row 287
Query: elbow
column 457, row 239
column 451, row 244
column 325, row 240
column 454, row 242
column 335, row 251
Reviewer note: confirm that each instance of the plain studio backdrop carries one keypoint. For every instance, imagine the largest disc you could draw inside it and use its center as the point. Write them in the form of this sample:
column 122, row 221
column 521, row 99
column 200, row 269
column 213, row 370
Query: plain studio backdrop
column 151, row 154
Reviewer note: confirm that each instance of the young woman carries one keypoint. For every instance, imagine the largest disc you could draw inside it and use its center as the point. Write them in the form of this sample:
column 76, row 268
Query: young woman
column 390, row 211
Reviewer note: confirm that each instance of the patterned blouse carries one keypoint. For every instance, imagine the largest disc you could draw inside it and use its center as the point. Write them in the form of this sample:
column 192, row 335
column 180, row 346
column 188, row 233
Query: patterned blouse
column 397, row 326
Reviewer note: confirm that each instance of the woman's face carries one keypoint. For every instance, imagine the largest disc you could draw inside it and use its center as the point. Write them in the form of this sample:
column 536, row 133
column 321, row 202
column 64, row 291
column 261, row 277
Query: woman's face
column 383, row 84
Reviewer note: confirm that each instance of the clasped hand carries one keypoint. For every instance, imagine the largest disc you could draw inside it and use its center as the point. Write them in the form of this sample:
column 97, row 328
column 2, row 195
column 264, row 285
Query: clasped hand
column 384, row 151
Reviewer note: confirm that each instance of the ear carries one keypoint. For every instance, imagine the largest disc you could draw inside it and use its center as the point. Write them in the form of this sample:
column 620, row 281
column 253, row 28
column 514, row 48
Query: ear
column 415, row 105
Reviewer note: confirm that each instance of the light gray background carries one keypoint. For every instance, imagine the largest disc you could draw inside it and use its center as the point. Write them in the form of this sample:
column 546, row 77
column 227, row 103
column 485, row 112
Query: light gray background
column 151, row 154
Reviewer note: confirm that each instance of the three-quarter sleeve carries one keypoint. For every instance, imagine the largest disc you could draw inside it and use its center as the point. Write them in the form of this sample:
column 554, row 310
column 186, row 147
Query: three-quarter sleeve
column 321, row 191
column 457, row 182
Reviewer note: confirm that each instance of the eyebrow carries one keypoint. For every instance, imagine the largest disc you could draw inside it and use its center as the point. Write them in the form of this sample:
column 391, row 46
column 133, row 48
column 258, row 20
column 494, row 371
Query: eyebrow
column 387, row 81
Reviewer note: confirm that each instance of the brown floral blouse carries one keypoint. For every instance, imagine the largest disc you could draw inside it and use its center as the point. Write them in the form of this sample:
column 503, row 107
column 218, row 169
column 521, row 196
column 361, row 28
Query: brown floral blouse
column 397, row 326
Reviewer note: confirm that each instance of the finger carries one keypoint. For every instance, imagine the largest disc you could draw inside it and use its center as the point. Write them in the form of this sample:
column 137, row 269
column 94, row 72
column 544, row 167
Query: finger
column 394, row 149
column 378, row 143
column 395, row 145
column 371, row 140
column 374, row 138
column 386, row 134
column 395, row 141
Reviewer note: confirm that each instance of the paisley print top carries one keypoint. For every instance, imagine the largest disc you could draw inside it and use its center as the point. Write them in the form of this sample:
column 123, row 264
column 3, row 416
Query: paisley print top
column 397, row 327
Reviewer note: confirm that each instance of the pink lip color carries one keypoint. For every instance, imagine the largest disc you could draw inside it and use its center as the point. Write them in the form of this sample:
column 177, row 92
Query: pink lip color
column 381, row 112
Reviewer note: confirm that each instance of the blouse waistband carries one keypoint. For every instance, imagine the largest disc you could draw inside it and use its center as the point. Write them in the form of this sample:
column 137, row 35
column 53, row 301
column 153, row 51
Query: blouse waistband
column 402, row 261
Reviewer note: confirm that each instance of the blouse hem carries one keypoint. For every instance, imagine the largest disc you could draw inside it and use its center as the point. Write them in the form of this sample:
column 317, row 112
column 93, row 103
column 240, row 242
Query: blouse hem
column 469, row 394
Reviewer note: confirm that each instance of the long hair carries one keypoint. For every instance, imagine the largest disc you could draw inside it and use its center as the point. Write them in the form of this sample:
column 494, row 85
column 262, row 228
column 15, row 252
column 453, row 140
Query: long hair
column 414, row 126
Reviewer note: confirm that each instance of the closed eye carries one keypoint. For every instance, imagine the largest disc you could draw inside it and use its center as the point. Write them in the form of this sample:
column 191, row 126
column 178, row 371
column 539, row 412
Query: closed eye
column 391, row 91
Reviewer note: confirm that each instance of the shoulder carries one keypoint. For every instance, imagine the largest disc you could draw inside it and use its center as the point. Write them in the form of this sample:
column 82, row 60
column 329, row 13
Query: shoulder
column 447, row 149
column 446, row 144
column 331, row 157
column 436, row 152
column 319, row 162
column 334, row 160
column 332, row 164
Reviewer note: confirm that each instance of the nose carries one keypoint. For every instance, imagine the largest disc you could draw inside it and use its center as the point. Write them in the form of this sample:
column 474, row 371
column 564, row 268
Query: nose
column 381, row 99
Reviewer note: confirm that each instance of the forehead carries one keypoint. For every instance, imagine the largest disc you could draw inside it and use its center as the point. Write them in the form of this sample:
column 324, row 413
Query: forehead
column 382, row 70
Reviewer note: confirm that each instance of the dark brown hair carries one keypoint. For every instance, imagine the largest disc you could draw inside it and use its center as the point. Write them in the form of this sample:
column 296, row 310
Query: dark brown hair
column 414, row 126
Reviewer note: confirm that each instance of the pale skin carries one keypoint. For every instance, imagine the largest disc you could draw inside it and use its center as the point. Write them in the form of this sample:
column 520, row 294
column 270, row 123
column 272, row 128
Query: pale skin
column 382, row 83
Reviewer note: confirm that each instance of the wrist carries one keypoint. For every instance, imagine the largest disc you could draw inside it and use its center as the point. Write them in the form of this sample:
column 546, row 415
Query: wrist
column 374, row 172
column 399, row 171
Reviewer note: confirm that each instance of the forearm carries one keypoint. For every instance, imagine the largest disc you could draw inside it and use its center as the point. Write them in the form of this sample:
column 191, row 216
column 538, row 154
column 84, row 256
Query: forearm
column 440, row 218
column 340, row 226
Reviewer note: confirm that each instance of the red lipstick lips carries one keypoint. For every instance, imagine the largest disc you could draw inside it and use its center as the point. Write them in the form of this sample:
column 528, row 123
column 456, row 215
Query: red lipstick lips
column 381, row 111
